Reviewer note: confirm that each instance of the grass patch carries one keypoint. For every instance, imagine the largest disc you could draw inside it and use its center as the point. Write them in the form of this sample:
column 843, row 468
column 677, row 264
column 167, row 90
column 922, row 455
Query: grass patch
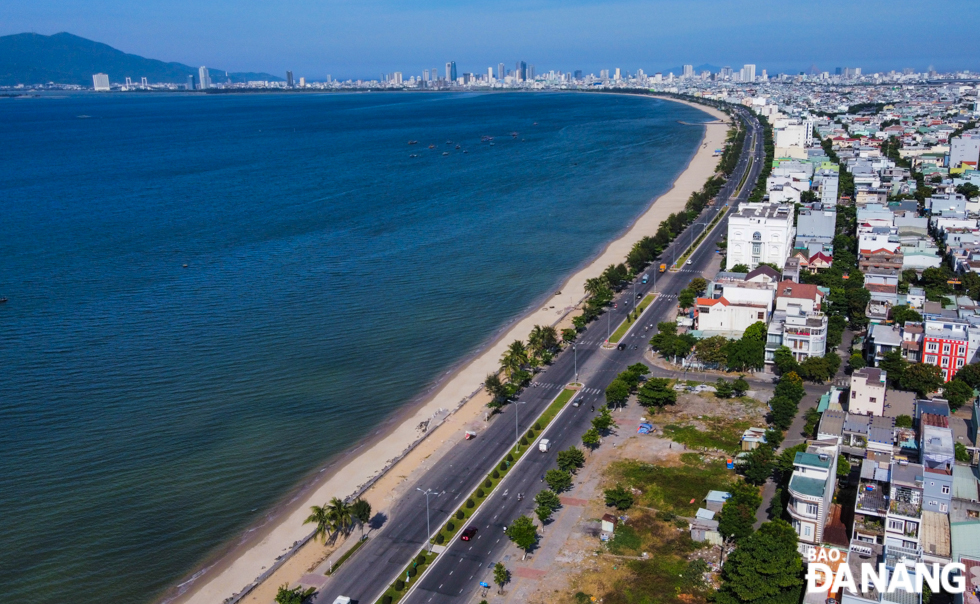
column 719, row 433
column 671, row 489
column 697, row 242
column 348, row 554
column 625, row 326
column 626, row 541
column 744, row 177
column 419, row 564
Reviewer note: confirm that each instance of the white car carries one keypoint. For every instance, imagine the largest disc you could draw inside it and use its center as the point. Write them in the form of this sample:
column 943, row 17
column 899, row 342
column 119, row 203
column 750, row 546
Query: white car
column 689, row 262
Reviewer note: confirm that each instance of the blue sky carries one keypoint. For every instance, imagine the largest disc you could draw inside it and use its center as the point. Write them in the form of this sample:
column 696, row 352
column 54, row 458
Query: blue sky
column 367, row 37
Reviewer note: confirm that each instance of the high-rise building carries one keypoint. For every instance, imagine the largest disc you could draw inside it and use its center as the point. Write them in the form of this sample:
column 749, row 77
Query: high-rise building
column 748, row 73
column 203, row 78
column 190, row 82
column 289, row 79
column 726, row 72
column 521, row 72
column 100, row 82
column 618, row 74
column 530, row 73
column 144, row 83
column 578, row 74
column 425, row 75
column 603, row 74
column 397, row 79
column 501, row 71
column 688, row 71
column 302, row 82
column 449, row 71
column 489, row 74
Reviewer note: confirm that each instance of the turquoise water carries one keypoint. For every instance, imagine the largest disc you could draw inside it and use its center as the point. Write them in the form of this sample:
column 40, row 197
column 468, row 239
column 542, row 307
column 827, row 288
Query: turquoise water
column 149, row 411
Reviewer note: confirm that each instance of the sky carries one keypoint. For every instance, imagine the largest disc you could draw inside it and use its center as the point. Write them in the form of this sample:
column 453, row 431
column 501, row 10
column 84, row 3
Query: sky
column 364, row 38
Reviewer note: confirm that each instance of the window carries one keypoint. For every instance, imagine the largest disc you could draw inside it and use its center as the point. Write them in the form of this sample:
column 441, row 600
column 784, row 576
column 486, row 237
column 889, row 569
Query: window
column 961, row 350
column 757, row 236
column 945, row 489
column 757, row 249
column 854, row 394
column 932, row 347
column 931, row 359
column 896, row 525
column 945, row 348
column 944, row 362
column 811, row 509
column 761, row 316
column 806, row 531
column 873, row 399
column 943, row 508
column 959, row 363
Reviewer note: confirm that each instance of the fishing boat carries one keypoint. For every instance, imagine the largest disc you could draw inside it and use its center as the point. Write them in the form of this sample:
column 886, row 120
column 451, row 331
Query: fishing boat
column 457, row 146
column 413, row 142
column 445, row 152
column 432, row 146
column 3, row 299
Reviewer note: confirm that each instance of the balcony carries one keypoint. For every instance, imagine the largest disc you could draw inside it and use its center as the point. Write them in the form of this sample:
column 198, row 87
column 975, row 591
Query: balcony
column 869, row 525
column 908, row 509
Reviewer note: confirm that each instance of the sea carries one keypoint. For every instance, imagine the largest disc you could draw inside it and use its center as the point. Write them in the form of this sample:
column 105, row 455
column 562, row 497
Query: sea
column 209, row 297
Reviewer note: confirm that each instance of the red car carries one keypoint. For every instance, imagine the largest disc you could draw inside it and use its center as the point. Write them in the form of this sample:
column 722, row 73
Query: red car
column 468, row 533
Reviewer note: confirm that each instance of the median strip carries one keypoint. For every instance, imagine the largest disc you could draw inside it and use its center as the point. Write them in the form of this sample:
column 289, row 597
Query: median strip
column 445, row 535
column 700, row 239
column 626, row 325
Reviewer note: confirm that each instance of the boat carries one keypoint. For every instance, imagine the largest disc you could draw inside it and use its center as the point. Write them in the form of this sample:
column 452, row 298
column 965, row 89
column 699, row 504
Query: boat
column 491, row 144
column 413, row 142
column 464, row 151
column 449, row 142
column 445, row 152
column 457, row 146
column 2, row 300
column 432, row 146
column 514, row 134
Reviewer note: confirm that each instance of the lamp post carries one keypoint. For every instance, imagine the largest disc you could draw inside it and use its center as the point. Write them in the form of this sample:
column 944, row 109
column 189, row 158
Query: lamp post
column 428, row 527
column 517, row 429
column 575, row 353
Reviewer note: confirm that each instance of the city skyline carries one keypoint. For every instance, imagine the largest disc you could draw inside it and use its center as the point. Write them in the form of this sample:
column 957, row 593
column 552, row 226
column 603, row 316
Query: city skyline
column 383, row 37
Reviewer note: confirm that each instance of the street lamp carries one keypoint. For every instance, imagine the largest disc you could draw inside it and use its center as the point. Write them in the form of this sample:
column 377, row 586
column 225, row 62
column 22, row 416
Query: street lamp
column 517, row 430
column 575, row 352
column 428, row 527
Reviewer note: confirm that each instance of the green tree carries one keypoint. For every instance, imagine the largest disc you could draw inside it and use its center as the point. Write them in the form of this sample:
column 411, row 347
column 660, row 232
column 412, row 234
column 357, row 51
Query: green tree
column 758, row 465
column 296, row 595
column 958, row 393
column 740, row 386
column 549, row 499
column 961, row 453
column 784, row 463
column 791, row 385
column 341, row 519
column 921, row 379
column 501, row 576
column 656, row 392
column 496, row 388
column 737, row 516
column 782, row 411
column 901, row 314
column 970, row 374
column 685, row 299
column 739, row 268
column 319, row 516
column 619, row 498
column 749, row 352
column 784, row 361
column 723, row 388
column 843, row 467
column 712, row 350
column 765, row 568
column 360, row 511
column 523, row 533
column 558, row 480
column 571, row 459
column 903, row 421
column 604, row 421
column 894, row 365
column 698, row 285
column 543, row 513
column 515, row 358
column 617, row 392
column 591, row 439
column 569, row 334
column 857, row 361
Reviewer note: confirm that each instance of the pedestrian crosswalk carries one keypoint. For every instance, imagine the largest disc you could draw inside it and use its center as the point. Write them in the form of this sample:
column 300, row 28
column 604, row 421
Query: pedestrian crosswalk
column 590, row 391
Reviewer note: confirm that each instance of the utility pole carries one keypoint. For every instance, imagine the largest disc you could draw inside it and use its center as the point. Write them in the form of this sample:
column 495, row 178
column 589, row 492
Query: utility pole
column 517, row 430
column 428, row 527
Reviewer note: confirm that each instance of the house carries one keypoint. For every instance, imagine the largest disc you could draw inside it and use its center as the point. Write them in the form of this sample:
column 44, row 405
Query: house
column 946, row 344
column 831, row 426
column 937, row 457
column 904, row 517
column 609, row 523
column 760, row 232
column 871, row 500
column 815, row 225
column 811, row 491
column 715, row 500
column 752, row 438
column 867, row 392
column 797, row 323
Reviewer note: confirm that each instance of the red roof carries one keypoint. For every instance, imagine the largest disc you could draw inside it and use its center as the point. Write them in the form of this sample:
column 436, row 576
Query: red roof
column 791, row 289
column 822, row 256
column 933, row 419
column 712, row 301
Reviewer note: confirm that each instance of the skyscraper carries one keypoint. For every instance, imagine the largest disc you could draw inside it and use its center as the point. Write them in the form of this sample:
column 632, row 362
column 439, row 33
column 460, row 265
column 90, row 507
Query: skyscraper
column 190, row 82
column 578, row 74
column 501, row 71
column 619, row 75
column 289, row 79
column 530, row 73
column 100, row 82
column 425, row 75
column 688, row 71
column 204, row 78
column 521, row 72
column 748, row 73
column 451, row 71
column 489, row 74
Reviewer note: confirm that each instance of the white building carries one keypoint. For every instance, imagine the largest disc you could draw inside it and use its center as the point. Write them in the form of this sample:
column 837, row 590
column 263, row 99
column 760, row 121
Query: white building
column 792, row 138
column 964, row 148
column 748, row 73
column 204, row 78
column 101, row 82
column 760, row 232
column 811, row 491
column 740, row 305
column 867, row 392
column 797, row 323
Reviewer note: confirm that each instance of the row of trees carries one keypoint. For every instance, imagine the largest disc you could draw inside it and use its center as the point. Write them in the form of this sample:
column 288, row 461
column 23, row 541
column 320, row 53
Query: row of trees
column 812, row 369
column 625, row 384
column 729, row 158
column 770, row 147
column 519, row 362
column 924, row 379
column 338, row 518
column 744, row 354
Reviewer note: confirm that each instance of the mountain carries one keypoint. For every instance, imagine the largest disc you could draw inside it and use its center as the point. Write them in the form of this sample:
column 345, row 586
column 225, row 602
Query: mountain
column 68, row 59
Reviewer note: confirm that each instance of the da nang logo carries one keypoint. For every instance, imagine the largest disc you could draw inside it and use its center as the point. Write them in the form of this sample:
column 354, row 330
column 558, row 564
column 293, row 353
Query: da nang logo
column 828, row 571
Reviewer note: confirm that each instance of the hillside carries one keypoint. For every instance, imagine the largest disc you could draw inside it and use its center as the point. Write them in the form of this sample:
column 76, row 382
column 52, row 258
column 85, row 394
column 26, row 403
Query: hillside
column 68, row 59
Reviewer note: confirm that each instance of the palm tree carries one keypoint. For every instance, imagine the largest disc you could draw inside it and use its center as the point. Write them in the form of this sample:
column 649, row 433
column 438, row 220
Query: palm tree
column 594, row 285
column 515, row 358
column 549, row 337
column 340, row 516
column 495, row 387
column 361, row 512
column 535, row 341
column 320, row 516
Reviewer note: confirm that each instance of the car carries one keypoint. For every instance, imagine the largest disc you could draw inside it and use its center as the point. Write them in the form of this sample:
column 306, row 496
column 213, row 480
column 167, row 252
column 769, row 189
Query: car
column 638, row 296
column 621, row 347
column 576, row 402
column 690, row 262
column 468, row 533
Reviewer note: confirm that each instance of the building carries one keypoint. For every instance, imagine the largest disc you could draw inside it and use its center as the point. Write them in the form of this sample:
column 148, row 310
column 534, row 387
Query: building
column 946, row 344
column 964, row 149
column 937, row 457
column 451, row 71
column 501, row 72
column 289, row 79
column 100, row 82
column 811, row 491
column 748, row 73
column 902, row 523
column 203, row 78
column 867, row 392
column 760, row 232
column 815, row 225
column 688, row 71
column 740, row 304
column 797, row 323
column 521, row 72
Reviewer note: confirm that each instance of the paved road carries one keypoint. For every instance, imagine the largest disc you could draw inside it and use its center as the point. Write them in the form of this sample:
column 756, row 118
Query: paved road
column 458, row 571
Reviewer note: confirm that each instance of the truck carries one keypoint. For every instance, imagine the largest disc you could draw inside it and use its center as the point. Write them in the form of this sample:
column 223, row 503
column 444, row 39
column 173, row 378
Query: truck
column 342, row 600
column 544, row 445
column 646, row 278
column 663, row 267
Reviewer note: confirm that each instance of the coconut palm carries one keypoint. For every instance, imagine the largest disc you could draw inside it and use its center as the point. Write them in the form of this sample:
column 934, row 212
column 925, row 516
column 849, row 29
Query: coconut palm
column 319, row 515
column 339, row 513
column 535, row 341
column 595, row 285
column 549, row 338
column 515, row 359
column 361, row 512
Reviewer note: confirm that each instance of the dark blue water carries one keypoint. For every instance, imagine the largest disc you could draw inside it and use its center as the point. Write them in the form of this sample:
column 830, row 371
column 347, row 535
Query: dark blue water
column 147, row 410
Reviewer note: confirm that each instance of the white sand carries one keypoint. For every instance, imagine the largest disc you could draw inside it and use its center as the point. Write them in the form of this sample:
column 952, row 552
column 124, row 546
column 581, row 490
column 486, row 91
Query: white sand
column 247, row 562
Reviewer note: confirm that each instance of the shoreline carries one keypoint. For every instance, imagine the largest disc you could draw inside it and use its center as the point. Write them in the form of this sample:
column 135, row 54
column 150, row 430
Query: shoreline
column 453, row 402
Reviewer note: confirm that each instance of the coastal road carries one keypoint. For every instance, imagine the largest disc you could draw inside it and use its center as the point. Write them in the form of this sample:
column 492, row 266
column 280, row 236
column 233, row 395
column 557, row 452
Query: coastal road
column 457, row 572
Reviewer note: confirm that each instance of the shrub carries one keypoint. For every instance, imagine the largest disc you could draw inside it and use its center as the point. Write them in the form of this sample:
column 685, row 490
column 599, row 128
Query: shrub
column 496, row 474
column 503, row 466
column 470, row 503
column 523, row 441
column 510, row 457
column 530, row 434
column 487, row 484
column 412, row 571
column 399, row 585
column 420, row 559
column 480, row 493
column 450, row 527
column 537, row 426
column 460, row 515
column 386, row 599
column 440, row 539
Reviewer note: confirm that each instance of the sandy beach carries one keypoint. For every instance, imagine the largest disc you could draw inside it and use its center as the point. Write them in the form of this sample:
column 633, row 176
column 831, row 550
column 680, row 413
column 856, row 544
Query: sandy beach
column 240, row 567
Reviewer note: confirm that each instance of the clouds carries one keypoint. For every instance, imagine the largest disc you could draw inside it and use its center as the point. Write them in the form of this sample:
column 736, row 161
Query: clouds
column 364, row 39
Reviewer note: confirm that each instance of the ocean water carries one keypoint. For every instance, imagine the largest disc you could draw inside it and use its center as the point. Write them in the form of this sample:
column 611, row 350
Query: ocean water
column 151, row 411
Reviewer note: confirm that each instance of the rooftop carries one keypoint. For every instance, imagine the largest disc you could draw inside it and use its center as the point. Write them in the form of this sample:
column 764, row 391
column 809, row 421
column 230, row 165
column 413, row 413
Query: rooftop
column 807, row 486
